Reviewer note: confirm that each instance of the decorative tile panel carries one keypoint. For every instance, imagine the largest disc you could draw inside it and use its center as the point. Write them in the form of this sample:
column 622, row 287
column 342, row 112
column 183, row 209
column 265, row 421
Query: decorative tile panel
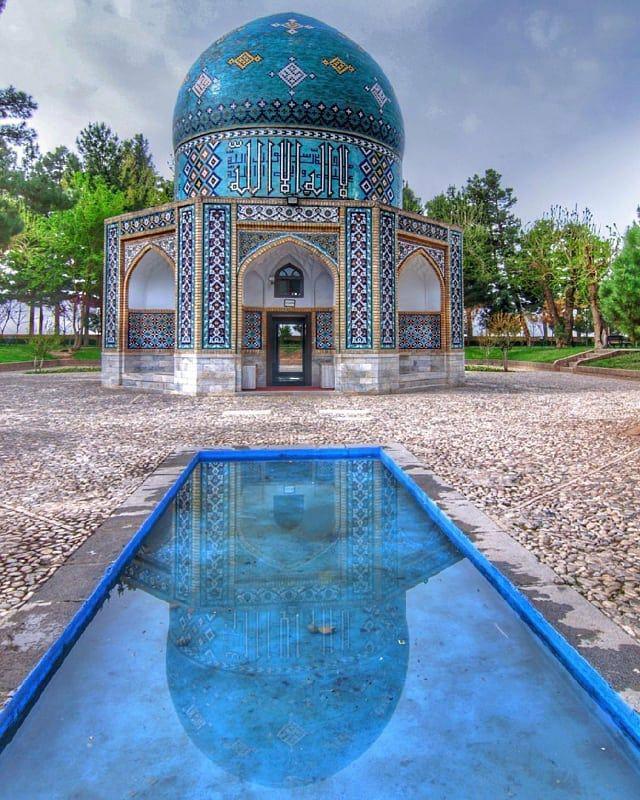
column 379, row 176
column 258, row 212
column 423, row 227
column 419, row 331
column 111, row 291
column 359, row 310
column 324, row 330
column 250, row 241
column 132, row 249
column 405, row 249
column 183, row 565
column 456, row 288
column 216, row 284
column 279, row 162
column 252, row 330
column 387, row 280
column 148, row 222
column 151, row 330
column 360, row 505
column 186, row 276
column 198, row 174
column 215, row 532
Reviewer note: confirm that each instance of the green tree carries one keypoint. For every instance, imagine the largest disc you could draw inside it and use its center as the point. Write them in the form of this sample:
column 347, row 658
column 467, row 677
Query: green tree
column 620, row 290
column 100, row 152
column 480, row 275
column 410, row 200
column 16, row 108
column 138, row 178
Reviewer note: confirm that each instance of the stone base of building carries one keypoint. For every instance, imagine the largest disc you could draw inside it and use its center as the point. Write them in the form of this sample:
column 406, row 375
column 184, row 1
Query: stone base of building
column 358, row 373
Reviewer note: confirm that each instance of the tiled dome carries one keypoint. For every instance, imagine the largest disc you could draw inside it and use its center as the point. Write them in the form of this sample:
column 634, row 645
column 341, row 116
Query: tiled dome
column 293, row 70
column 283, row 106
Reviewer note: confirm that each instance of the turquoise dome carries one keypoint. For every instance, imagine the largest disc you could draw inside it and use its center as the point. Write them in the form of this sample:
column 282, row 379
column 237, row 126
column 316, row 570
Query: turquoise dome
column 292, row 87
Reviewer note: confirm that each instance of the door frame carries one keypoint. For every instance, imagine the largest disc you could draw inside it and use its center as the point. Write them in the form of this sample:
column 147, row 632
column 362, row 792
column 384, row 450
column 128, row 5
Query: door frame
column 273, row 317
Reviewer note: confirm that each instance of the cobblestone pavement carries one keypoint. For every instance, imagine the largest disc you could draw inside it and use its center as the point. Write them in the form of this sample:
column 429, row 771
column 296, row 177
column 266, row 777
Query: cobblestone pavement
column 555, row 459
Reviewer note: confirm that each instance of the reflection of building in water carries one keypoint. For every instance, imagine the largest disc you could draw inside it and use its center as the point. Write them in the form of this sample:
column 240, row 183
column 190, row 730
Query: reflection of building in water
column 288, row 142
column 288, row 642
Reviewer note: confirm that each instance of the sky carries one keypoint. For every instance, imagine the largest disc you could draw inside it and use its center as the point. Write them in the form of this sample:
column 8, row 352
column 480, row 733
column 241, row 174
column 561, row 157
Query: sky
column 544, row 92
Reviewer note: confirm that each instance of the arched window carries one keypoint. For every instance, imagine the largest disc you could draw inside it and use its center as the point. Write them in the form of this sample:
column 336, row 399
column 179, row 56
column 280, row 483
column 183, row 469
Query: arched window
column 288, row 282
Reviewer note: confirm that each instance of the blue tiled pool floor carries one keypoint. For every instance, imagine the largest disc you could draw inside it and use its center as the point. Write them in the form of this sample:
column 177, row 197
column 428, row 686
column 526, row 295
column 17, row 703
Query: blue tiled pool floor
column 303, row 629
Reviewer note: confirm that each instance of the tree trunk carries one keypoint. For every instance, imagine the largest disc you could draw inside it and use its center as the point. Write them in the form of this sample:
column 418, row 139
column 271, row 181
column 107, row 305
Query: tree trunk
column 40, row 320
column 505, row 359
column 32, row 320
column 85, row 320
column 567, row 315
column 469, row 315
column 525, row 327
column 553, row 310
column 599, row 330
column 545, row 331
column 56, row 319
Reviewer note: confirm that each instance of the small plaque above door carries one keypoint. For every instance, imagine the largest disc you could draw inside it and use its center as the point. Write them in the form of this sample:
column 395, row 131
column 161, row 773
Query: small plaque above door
column 289, row 303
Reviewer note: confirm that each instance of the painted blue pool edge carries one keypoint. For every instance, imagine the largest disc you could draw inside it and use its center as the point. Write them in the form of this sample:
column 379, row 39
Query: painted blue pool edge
column 623, row 716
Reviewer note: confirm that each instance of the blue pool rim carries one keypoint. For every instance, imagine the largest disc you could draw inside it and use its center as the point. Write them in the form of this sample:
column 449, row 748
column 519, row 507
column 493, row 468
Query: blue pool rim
column 607, row 699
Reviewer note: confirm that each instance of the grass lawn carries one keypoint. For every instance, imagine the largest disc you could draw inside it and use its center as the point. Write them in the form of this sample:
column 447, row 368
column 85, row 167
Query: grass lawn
column 538, row 353
column 87, row 354
column 622, row 361
column 23, row 352
column 15, row 352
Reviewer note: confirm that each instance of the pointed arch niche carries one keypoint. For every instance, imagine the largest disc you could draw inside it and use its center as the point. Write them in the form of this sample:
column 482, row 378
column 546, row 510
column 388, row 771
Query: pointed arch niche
column 420, row 303
column 318, row 294
column 150, row 295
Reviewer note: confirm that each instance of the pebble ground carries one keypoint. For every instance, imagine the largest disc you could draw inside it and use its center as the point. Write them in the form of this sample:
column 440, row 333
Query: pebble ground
column 553, row 458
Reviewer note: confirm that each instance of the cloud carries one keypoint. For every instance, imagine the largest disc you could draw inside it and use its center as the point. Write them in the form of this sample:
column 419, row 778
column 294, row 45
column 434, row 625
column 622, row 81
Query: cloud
column 544, row 28
column 538, row 91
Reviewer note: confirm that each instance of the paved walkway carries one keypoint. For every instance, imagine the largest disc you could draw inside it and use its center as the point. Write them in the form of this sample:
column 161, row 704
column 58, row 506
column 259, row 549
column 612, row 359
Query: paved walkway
column 554, row 458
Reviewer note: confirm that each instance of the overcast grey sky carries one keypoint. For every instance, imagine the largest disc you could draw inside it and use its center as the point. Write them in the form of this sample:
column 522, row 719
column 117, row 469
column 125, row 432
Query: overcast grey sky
column 545, row 92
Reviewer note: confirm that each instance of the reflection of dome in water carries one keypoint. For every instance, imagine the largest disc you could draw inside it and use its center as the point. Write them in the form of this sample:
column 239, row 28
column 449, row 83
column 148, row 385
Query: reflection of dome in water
column 285, row 667
column 284, row 718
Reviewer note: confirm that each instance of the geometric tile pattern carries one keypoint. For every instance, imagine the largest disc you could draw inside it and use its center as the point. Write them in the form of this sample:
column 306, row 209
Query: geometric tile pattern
column 423, row 228
column 259, row 212
column 360, row 504
column 200, row 169
column 405, row 249
column 378, row 176
column 359, row 279
column 250, row 241
column 216, row 531
column 243, row 111
column 216, row 282
column 244, row 59
column 456, row 286
column 111, row 290
column 167, row 243
column 419, row 331
column 186, row 276
column 151, row 330
column 387, row 280
column 252, row 330
column 183, row 539
column 324, row 330
column 148, row 222
column 338, row 64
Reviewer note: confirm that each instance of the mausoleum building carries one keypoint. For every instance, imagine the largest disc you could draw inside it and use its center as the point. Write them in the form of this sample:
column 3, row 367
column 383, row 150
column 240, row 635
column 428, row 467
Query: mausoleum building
column 285, row 258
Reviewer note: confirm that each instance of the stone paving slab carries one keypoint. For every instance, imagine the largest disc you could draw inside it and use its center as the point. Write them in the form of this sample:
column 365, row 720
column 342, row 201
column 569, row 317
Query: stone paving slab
column 554, row 459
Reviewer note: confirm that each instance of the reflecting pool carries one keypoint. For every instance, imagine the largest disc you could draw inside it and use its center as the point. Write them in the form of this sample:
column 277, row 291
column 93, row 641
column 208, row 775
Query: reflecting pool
column 303, row 629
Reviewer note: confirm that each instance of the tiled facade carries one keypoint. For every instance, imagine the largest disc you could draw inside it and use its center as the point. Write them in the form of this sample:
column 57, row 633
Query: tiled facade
column 286, row 145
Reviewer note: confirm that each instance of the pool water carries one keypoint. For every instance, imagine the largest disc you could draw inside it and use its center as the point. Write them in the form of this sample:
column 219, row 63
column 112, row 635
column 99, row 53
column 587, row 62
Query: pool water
column 303, row 629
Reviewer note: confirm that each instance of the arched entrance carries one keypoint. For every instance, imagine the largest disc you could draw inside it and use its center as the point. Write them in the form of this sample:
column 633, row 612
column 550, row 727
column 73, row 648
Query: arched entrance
column 420, row 303
column 150, row 295
column 288, row 296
